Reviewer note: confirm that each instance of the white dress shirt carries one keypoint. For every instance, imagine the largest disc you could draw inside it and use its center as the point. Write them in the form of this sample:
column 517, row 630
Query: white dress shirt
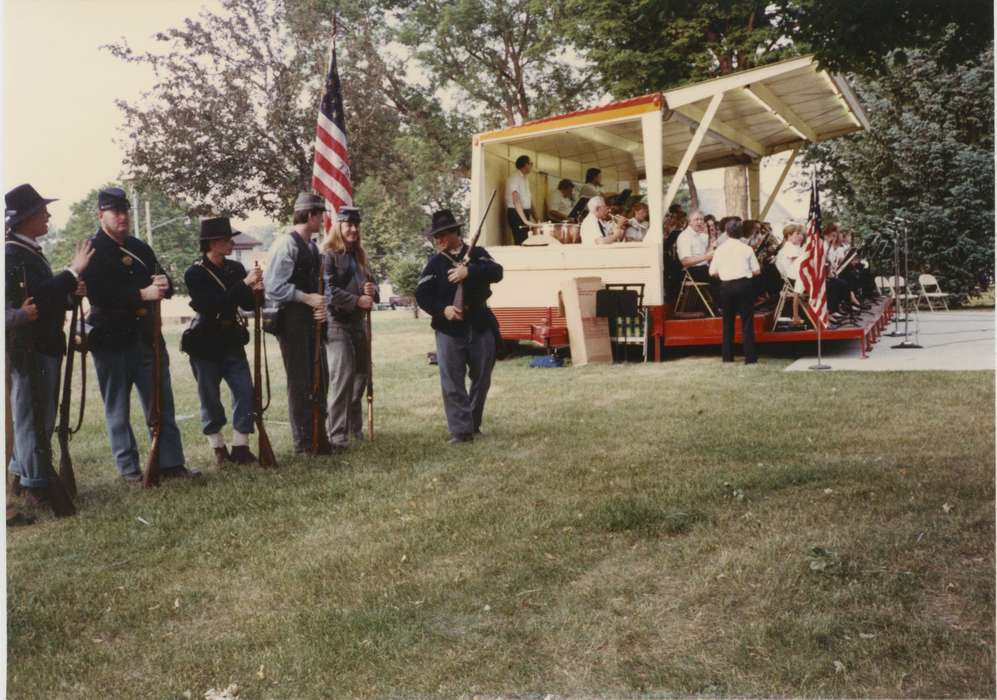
column 593, row 230
column 559, row 203
column 517, row 182
column 787, row 261
column 734, row 260
column 692, row 245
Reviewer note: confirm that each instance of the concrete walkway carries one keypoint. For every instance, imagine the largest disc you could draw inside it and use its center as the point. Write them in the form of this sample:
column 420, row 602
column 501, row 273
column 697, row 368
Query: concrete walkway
column 951, row 340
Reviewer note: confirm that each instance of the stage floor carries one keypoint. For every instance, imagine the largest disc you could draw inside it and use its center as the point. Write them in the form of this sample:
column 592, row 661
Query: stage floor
column 951, row 340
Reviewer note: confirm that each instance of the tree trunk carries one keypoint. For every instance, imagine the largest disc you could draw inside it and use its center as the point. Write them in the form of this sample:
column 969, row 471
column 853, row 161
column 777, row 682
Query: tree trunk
column 415, row 310
column 736, row 191
column 693, row 192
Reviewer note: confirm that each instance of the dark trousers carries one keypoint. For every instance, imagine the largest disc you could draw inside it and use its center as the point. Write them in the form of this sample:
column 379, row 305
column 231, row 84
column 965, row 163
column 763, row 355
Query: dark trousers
column 520, row 231
column 297, row 347
column 234, row 369
column 470, row 355
column 737, row 299
column 701, row 273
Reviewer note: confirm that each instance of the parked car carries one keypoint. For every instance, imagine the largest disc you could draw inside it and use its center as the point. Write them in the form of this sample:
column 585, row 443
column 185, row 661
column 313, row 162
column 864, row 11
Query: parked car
column 400, row 301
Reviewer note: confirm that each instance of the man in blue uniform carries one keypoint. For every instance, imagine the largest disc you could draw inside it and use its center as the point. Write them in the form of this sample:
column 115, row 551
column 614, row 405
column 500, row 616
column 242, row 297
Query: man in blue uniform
column 36, row 303
column 465, row 337
column 123, row 281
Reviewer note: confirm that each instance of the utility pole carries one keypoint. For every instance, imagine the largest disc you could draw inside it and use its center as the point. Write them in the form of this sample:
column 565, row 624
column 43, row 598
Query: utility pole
column 135, row 218
column 148, row 223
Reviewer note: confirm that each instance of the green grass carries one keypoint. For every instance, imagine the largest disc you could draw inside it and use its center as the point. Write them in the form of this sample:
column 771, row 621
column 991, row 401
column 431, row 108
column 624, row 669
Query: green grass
column 682, row 528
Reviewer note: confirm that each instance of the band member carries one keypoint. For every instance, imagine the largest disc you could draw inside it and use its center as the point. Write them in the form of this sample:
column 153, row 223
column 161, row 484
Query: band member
column 519, row 201
column 291, row 282
column 36, row 303
column 694, row 252
column 465, row 337
column 123, row 280
column 217, row 337
column 350, row 293
column 787, row 262
column 735, row 264
column 595, row 229
column 593, row 184
column 638, row 223
column 561, row 201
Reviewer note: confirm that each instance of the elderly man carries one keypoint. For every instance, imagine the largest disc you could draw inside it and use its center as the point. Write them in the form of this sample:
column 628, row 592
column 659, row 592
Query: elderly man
column 695, row 251
column 124, row 280
column 291, row 281
column 597, row 231
column 36, row 301
column 466, row 334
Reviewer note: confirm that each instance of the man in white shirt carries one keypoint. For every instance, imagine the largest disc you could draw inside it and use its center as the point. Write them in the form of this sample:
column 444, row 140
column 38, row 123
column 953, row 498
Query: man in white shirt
column 596, row 231
column 694, row 251
column 518, row 201
column 735, row 264
column 561, row 202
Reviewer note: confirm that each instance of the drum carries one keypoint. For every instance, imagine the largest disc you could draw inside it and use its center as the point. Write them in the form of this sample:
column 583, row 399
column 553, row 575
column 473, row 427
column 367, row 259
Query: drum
column 572, row 233
column 547, row 229
column 557, row 233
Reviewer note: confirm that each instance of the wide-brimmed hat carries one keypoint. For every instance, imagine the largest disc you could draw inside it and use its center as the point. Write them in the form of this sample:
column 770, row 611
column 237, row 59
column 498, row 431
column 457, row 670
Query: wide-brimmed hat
column 442, row 220
column 348, row 214
column 21, row 202
column 218, row 227
column 113, row 198
column 308, row 201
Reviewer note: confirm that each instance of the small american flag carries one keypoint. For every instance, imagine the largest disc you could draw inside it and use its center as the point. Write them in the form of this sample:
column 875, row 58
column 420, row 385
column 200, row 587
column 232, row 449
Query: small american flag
column 813, row 270
column 331, row 172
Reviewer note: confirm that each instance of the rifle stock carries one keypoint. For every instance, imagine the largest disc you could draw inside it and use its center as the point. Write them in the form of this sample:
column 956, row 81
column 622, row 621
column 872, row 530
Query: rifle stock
column 151, row 477
column 266, row 455
column 320, row 441
column 458, row 297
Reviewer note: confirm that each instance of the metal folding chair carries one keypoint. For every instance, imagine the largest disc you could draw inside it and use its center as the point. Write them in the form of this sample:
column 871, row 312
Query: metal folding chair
column 687, row 282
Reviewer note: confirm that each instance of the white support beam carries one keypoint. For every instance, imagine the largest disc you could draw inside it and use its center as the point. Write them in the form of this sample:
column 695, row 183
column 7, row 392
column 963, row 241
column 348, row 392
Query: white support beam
column 754, row 188
column 772, row 101
column 650, row 125
column 697, row 139
column 701, row 91
column 608, row 138
column 723, row 132
column 778, row 185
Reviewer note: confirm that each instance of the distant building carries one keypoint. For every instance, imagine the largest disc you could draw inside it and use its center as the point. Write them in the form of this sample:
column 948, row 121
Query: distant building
column 245, row 249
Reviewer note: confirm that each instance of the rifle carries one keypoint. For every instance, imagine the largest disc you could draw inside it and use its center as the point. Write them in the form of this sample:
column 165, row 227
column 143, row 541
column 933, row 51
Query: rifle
column 368, row 332
column 155, row 410
column 266, row 455
column 62, row 502
column 64, row 431
column 320, row 442
column 458, row 297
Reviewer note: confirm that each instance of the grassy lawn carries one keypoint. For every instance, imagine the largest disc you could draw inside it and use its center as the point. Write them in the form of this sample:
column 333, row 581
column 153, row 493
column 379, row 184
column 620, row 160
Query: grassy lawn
column 681, row 528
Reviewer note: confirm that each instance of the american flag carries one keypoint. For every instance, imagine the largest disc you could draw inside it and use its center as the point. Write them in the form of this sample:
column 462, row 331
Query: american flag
column 331, row 172
column 813, row 270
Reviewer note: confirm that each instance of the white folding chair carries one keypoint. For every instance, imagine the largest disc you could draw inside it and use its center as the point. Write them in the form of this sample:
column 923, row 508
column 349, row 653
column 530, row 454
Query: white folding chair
column 901, row 293
column 930, row 290
column 702, row 289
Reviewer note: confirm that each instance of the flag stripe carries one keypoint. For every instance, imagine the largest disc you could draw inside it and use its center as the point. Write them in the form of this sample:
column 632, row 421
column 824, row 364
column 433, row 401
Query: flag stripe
column 331, row 177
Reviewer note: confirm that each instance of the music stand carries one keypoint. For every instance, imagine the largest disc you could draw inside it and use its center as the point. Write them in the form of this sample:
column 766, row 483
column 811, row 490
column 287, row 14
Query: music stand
column 906, row 344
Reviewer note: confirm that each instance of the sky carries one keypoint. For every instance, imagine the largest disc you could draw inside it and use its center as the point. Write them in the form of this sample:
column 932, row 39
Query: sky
column 60, row 122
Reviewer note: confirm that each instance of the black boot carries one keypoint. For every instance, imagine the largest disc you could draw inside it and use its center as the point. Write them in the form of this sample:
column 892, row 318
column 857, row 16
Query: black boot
column 242, row 455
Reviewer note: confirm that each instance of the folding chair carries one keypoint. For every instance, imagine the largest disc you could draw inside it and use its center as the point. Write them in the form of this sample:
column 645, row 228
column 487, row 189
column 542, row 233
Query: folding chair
column 901, row 293
column 788, row 292
column 930, row 290
column 883, row 285
column 687, row 282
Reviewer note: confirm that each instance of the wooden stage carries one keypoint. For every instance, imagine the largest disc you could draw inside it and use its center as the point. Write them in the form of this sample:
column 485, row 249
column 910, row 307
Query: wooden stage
column 546, row 326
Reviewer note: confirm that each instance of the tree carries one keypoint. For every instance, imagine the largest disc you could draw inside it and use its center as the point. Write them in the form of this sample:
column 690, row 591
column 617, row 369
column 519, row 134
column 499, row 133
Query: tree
column 175, row 234
column 927, row 158
column 642, row 47
column 405, row 278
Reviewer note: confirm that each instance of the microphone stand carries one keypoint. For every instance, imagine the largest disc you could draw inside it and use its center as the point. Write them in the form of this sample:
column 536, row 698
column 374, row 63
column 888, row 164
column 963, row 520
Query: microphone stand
column 895, row 333
column 906, row 344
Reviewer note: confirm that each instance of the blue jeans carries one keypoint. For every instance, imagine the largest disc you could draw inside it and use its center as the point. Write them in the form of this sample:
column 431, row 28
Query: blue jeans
column 234, row 369
column 119, row 370
column 29, row 447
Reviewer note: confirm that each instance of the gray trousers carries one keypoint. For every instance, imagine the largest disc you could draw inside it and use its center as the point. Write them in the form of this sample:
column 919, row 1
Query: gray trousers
column 117, row 372
column 28, row 445
column 471, row 355
column 346, row 351
column 297, row 342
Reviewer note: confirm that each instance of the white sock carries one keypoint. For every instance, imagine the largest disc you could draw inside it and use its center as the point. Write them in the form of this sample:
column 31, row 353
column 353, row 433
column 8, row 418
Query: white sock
column 216, row 440
column 239, row 439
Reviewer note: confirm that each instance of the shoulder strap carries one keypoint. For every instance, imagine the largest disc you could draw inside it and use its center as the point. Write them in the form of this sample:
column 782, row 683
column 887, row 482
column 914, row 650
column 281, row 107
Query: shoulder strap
column 213, row 275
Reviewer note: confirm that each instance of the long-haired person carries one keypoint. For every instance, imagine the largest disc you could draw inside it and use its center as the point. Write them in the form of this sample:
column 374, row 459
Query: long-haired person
column 350, row 293
column 216, row 340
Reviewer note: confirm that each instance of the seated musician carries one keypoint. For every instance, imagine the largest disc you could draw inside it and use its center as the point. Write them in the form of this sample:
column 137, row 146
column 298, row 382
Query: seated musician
column 638, row 223
column 695, row 251
column 787, row 262
column 596, row 230
column 714, row 230
column 768, row 283
column 561, row 201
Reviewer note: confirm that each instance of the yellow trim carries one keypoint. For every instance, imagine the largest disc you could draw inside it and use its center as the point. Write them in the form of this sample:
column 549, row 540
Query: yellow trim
column 566, row 122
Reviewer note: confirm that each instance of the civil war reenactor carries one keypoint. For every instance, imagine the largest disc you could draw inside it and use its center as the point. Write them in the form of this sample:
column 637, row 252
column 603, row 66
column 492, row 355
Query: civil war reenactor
column 123, row 281
column 36, row 304
column 466, row 336
column 216, row 339
column 291, row 281
column 350, row 293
